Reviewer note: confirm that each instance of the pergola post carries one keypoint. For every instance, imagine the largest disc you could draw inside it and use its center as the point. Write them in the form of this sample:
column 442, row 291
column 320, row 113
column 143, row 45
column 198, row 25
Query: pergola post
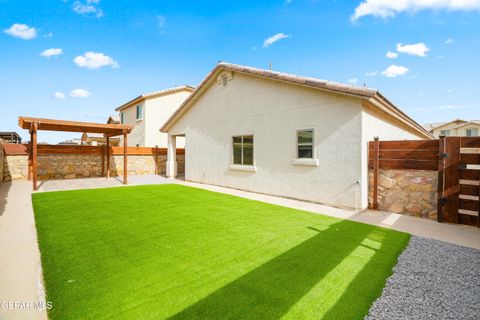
column 34, row 154
column 172, row 157
column 125, row 166
column 108, row 157
column 29, row 173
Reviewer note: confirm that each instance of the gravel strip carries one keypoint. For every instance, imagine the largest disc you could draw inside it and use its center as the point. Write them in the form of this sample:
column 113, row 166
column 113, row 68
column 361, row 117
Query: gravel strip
column 432, row 280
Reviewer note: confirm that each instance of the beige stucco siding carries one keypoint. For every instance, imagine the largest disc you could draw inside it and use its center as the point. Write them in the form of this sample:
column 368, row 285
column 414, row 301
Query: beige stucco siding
column 157, row 112
column 137, row 135
column 273, row 111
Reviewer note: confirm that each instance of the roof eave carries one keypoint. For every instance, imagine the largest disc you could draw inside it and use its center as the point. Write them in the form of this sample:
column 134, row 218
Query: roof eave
column 384, row 104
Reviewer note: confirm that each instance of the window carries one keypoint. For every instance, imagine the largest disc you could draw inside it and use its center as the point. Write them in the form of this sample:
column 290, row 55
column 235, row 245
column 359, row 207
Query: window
column 122, row 118
column 445, row 133
column 305, row 144
column 243, row 150
column 139, row 112
column 472, row 132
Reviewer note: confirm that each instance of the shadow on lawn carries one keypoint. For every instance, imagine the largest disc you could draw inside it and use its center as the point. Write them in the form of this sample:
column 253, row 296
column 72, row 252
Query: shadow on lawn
column 271, row 290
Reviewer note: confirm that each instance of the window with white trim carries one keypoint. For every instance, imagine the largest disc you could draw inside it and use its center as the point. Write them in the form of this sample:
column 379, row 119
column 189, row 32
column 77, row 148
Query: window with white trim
column 445, row 133
column 139, row 112
column 472, row 132
column 122, row 118
column 305, row 144
column 243, row 150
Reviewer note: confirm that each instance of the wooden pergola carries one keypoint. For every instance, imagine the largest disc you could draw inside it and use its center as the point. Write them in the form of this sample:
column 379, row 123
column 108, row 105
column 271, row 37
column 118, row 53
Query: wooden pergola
column 108, row 130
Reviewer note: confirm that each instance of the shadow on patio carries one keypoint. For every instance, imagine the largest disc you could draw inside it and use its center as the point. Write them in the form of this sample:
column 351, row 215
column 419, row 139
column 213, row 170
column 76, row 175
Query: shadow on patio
column 324, row 277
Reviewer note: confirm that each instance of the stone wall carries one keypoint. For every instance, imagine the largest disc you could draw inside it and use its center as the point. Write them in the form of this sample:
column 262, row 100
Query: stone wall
column 69, row 166
column 410, row 192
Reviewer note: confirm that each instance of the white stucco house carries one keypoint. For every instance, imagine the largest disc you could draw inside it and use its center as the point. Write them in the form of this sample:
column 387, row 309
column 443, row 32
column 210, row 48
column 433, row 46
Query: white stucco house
column 284, row 135
column 457, row 127
column 147, row 112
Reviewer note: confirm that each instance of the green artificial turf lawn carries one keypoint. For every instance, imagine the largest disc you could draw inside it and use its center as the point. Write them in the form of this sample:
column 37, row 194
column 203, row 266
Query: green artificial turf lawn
column 175, row 252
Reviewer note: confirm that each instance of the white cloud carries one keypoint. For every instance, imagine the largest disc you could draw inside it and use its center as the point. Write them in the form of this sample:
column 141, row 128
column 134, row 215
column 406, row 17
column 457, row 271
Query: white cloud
column 391, row 55
column 417, row 49
column 88, row 7
column 449, row 107
column 371, row 74
column 279, row 36
column 161, row 23
column 22, row 31
column 79, row 93
column 389, row 8
column 450, row 41
column 95, row 60
column 353, row 80
column 394, row 71
column 51, row 52
column 58, row 95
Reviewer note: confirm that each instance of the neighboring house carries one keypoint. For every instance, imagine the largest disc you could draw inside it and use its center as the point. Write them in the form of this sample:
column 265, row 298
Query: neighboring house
column 284, row 135
column 113, row 119
column 10, row 137
column 148, row 112
column 97, row 139
column 458, row 127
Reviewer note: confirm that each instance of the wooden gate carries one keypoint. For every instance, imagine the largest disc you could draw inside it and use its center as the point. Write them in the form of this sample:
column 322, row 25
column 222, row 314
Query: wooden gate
column 459, row 180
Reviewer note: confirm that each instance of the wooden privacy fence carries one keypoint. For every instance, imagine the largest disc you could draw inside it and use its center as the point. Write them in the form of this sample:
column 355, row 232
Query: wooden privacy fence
column 457, row 161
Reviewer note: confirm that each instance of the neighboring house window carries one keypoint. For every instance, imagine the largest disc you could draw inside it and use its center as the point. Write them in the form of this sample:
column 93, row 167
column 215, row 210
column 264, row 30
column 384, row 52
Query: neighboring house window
column 122, row 118
column 139, row 112
column 243, row 150
column 445, row 133
column 305, row 144
column 472, row 132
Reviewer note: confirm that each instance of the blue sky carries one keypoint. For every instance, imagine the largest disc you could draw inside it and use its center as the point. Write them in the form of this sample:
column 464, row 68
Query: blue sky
column 111, row 51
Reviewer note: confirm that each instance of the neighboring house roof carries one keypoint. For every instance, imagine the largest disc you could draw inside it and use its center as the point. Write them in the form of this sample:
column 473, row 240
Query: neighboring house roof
column 371, row 95
column 155, row 94
column 113, row 118
column 474, row 122
column 443, row 124
column 431, row 126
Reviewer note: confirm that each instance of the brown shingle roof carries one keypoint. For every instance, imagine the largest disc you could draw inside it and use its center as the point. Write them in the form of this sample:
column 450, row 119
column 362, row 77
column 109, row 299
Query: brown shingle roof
column 154, row 95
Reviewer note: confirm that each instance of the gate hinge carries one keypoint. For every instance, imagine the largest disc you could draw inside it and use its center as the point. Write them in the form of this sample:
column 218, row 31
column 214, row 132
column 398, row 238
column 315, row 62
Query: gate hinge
column 444, row 155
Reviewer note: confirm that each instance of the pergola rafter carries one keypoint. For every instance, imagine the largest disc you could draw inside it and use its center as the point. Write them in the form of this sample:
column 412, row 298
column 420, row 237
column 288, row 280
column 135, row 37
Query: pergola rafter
column 109, row 130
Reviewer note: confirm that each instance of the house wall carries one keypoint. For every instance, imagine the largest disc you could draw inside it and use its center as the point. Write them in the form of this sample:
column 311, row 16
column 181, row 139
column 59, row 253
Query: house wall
column 376, row 123
column 137, row 135
column 463, row 130
column 157, row 111
column 273, row 111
